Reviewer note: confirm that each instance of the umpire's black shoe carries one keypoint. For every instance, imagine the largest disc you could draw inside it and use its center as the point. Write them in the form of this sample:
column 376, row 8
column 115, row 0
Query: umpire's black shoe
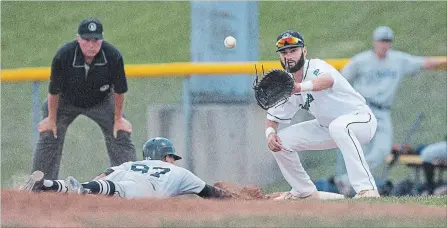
column 35, row 182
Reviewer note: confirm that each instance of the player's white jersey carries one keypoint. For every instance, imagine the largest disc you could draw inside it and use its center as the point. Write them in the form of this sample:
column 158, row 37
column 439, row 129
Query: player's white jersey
column 325, row 105
column 166, row 179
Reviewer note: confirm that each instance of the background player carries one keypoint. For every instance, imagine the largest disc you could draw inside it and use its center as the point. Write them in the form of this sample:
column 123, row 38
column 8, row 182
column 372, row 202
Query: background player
column 342, row 119
column 432, row 154
column 376, row 75
column 155, row 176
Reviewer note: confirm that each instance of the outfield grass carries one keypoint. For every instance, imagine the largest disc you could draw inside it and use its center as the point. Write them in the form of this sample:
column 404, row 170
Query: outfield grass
column 33, row 31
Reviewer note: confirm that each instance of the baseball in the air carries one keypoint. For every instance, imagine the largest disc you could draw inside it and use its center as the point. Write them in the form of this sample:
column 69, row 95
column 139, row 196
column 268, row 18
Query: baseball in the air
column 230, row 42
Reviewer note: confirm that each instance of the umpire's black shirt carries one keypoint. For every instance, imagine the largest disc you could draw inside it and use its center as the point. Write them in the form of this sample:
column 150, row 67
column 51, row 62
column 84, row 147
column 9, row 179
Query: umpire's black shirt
column 86, row 88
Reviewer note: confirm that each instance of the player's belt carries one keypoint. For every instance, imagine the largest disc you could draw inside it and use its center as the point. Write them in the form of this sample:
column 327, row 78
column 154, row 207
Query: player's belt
column 375, row 105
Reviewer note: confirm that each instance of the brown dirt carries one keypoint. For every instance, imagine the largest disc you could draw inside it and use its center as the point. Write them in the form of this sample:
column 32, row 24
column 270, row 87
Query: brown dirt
column 60, row 210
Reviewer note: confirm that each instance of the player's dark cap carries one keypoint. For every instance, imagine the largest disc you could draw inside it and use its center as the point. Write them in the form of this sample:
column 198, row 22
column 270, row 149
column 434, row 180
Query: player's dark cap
column 91, row 28
column 384, row 33
column 289, row 39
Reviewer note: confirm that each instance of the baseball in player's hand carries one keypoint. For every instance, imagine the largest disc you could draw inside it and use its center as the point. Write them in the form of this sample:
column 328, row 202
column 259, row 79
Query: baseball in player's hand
column 274, row 143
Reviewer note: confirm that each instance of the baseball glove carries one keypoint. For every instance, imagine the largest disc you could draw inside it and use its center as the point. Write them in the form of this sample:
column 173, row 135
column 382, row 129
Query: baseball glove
column 274, row 87
column 240, row 192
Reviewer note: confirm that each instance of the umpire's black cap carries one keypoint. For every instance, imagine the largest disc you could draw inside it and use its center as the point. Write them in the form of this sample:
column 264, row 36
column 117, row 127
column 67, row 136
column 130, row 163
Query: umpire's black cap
column 289, row 39
column 91, row 28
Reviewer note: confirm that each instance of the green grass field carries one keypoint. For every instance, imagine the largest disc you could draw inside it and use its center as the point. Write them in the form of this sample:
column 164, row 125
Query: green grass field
column 33, row 31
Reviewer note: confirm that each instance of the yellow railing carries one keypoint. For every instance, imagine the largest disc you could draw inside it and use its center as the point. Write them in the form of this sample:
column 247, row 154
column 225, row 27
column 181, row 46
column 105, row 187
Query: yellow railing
column 162, row 69
column 167, row 69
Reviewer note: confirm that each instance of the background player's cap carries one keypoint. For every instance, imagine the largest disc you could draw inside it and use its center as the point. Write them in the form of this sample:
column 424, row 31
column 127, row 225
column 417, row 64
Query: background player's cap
column 90, row 28
column 289, row 39
column 383, row 33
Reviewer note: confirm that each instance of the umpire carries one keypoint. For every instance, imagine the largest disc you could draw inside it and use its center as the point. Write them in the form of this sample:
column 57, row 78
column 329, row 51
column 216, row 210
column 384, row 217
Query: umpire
column 88, row 78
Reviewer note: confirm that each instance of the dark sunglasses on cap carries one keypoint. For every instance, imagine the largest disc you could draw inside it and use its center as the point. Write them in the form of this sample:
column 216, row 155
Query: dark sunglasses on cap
column 288, row 41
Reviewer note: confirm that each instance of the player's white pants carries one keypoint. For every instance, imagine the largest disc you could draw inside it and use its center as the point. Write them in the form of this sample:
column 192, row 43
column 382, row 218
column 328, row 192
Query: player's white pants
column 131, row 184
column 377, row 149
column 347, row 132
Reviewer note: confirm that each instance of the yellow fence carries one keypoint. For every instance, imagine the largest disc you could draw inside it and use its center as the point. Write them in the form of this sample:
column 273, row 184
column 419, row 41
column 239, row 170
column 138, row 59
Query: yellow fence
column 163, row 69
column 166, row 69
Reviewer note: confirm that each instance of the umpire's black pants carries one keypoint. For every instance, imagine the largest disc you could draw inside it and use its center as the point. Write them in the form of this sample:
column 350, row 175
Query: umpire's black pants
column 48, row 153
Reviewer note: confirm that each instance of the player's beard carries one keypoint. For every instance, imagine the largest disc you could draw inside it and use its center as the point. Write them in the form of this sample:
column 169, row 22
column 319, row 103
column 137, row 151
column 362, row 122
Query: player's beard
column 297, row 66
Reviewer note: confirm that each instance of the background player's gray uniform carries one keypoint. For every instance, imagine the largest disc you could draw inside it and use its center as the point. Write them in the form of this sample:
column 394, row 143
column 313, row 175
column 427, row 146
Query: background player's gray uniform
column 434, row 151
column 154, row 178
column 377, row 80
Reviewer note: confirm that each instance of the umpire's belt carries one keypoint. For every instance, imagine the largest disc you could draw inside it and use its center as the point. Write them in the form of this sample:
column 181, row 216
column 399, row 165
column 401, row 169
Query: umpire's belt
column 375, row 105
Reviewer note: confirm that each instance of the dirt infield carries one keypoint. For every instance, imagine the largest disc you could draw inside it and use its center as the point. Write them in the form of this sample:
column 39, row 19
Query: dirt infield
column 21, row 209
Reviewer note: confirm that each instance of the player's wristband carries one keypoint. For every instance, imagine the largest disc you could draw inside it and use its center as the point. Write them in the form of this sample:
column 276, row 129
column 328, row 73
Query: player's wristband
column 268, row 131
column 306, row 86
